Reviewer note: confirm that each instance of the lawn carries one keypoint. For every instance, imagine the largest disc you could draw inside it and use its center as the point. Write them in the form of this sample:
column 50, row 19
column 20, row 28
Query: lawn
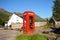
column 32, row 37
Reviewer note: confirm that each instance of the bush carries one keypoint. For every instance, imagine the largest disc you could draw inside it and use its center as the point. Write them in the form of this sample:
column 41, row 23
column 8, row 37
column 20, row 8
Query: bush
column 22, row 37
column 48, row 25
column 38, row 37
column 32, row 37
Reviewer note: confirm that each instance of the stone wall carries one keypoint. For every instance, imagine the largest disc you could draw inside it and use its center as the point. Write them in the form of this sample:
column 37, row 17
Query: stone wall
column 37, row 24
column 16, row 25
column 19, row 25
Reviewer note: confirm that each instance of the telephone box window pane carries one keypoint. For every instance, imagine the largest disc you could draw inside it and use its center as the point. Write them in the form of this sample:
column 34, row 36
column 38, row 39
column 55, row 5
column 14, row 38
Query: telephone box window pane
column 31, row 21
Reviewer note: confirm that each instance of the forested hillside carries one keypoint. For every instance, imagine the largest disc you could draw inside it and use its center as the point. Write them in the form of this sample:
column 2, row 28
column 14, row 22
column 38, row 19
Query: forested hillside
column 4, row 16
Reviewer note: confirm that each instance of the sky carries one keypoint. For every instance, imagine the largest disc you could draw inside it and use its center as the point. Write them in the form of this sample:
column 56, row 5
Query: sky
column 42, row 8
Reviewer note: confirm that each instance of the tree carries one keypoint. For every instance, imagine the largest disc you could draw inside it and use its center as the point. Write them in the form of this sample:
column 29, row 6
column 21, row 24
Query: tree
column 56, row 10
column 1, row 22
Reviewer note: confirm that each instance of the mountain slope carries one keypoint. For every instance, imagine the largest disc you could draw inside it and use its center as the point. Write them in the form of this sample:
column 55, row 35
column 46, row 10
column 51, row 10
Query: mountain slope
column 37, row 18
column 4, row 15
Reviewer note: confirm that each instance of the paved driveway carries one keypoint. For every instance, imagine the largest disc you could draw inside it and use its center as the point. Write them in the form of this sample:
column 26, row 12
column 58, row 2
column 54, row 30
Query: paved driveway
column 8, row 34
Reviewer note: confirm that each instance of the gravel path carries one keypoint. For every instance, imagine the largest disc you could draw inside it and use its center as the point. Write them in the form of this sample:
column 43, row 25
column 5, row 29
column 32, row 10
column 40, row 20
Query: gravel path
column 8, row 34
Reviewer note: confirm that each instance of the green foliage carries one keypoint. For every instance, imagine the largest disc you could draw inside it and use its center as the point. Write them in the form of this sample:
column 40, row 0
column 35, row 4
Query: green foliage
column 56, row 10
column 4, row 16
column 32, row 37
column 38, row 37
column 48, row 25
column 1, row 21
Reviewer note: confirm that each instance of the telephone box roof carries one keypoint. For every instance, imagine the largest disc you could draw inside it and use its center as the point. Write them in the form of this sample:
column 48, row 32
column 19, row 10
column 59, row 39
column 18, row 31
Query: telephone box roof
column 28, row 13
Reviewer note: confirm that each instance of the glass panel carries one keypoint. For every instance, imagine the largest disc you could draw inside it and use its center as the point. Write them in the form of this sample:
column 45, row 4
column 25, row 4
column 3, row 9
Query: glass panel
column 31, row 22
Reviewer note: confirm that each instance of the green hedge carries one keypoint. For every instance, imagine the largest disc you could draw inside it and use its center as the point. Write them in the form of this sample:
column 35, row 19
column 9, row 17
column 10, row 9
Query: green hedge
column 32, row 37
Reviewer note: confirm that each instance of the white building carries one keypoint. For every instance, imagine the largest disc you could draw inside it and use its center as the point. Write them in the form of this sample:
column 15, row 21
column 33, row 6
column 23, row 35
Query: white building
column 14, row 19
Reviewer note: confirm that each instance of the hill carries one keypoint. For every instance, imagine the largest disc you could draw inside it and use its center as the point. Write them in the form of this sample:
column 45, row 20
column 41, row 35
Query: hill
column 4, row 16
column 37, row 18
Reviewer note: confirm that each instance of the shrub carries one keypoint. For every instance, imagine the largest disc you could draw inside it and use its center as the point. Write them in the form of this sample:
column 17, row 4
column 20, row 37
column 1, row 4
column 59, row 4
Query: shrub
column 48, row 25
column 32, row 37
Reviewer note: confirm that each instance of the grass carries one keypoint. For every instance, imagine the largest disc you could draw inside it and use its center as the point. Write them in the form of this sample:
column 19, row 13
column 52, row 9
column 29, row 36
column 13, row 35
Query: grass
column 32, row 37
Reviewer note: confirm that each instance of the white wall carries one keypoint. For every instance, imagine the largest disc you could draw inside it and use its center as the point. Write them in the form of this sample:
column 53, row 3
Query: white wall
column 15, row 19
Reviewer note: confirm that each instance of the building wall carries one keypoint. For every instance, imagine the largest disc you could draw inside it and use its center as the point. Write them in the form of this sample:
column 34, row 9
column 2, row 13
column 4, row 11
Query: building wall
column 16, row 25
column 37, row 24
column 19, row 25
column 14, row 19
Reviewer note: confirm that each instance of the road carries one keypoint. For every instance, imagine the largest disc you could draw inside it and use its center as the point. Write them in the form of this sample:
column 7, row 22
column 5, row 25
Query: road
column 8, row 34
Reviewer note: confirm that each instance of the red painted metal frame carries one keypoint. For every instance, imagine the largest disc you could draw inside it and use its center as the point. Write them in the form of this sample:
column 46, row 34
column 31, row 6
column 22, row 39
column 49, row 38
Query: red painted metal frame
column 26, row 22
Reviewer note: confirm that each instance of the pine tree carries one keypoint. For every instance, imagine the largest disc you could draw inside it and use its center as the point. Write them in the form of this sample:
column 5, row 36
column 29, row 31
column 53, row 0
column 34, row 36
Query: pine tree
column 56, row 10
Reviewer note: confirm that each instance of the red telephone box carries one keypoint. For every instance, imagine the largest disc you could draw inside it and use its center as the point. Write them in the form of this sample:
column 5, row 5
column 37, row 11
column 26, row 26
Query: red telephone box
column 28, row 22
